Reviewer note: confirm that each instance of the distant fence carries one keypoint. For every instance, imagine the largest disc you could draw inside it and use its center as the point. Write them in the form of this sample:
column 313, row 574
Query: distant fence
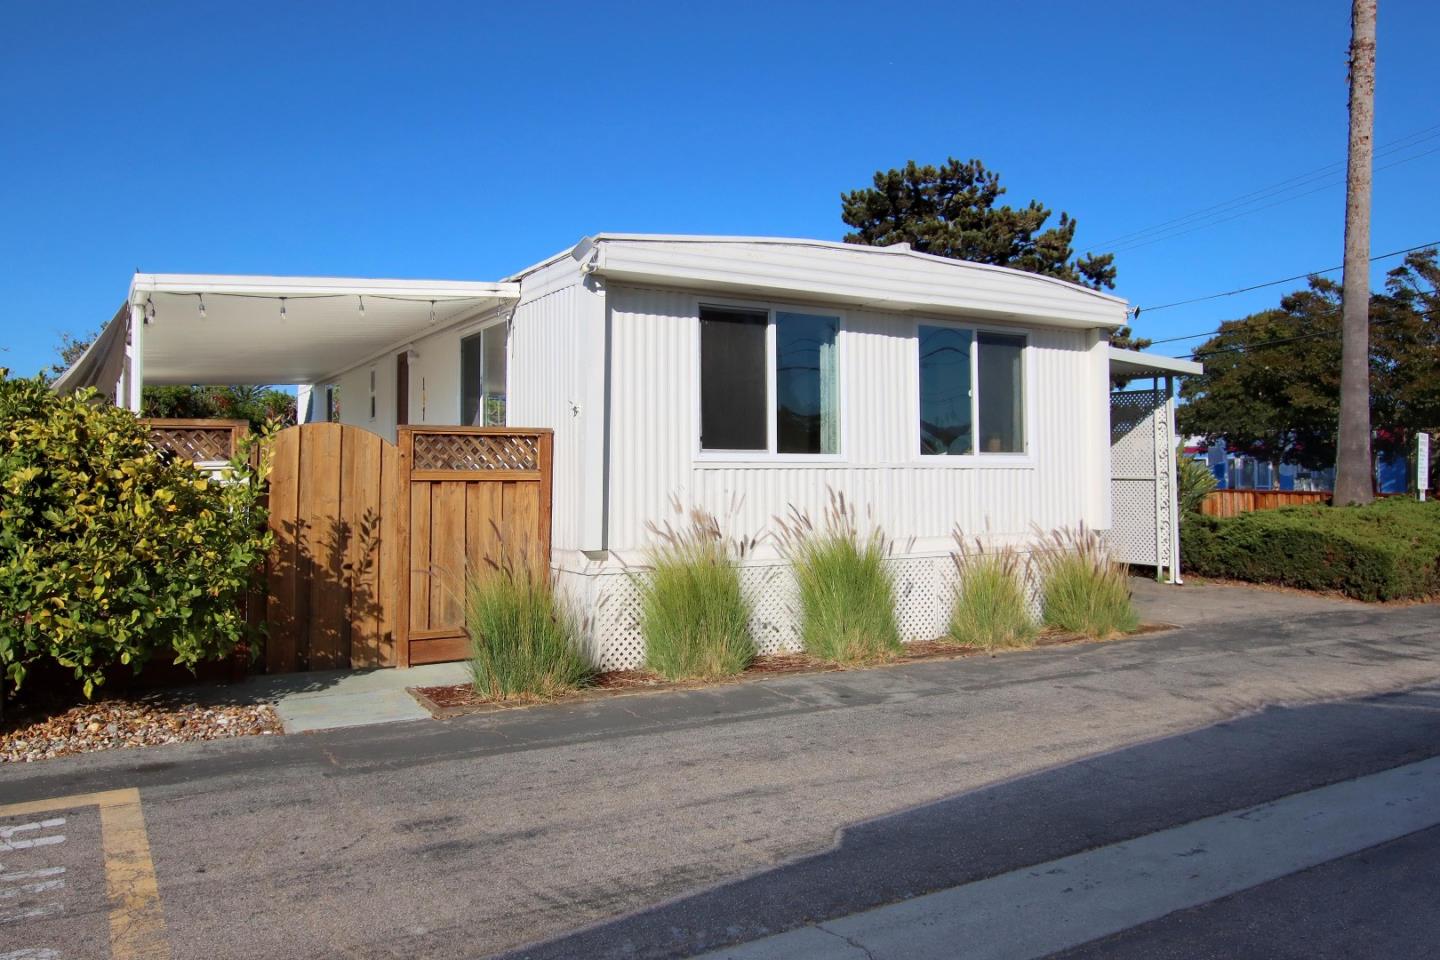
column 1230, row 503
column 203, row 441
column 375, row 542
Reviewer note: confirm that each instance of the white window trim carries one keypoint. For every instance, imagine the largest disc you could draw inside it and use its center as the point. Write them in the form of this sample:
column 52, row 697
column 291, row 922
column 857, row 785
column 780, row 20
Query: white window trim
column 770, row 455
column 978, row 459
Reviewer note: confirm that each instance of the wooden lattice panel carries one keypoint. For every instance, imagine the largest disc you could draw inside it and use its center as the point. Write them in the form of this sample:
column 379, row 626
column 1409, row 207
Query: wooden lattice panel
column 476, row 451
column 200, row 444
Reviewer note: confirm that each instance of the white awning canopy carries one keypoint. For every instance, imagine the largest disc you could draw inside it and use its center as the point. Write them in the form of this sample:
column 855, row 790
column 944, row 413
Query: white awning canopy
column 1136, row 363
column 252, row 330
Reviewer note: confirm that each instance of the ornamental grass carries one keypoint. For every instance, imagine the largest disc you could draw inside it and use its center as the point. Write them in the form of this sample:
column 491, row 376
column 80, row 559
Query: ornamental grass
column 1084, row 590
column 845, row 591
column 990, row 609
column 693, row 613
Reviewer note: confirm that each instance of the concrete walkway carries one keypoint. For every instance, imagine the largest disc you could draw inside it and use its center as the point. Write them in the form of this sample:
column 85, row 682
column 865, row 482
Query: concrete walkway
column 331, row 699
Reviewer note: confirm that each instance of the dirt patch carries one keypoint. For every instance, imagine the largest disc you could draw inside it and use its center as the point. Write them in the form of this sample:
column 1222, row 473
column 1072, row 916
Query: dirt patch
column 111, row 724
column 458, row 699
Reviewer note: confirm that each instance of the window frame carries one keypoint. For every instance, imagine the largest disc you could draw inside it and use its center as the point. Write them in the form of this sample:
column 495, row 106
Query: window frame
column 770, row 454
column 464, row 333
column 978, row 458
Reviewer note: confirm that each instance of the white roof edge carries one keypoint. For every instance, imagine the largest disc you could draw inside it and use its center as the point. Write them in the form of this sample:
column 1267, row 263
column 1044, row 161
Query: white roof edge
column 147, row 283
column 1137, row 361
column 892, row 251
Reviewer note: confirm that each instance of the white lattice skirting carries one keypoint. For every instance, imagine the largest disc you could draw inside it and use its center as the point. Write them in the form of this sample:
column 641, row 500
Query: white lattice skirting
column 924, row 591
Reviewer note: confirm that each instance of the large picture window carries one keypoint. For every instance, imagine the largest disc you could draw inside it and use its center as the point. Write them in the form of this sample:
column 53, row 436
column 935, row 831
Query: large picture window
column 972, row 391
column 769, row 383
column 482, row 378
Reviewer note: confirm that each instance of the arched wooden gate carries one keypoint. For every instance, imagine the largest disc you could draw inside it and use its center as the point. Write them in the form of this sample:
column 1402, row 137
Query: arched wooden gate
column 374, row 542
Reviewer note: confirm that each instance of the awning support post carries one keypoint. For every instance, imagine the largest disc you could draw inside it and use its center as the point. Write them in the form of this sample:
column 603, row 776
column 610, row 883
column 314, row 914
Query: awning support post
column 135, row 381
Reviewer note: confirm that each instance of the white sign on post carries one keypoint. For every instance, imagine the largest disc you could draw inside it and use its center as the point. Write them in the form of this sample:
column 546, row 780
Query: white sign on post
column 1422, row 463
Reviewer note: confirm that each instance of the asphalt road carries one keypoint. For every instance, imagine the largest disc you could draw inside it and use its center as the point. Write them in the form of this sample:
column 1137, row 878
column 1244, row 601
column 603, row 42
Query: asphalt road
column 659, row 826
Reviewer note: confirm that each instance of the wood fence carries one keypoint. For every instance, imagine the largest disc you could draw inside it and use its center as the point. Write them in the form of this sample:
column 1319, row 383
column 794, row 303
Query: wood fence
column 1230, row 503
column 203, row 441
column 375, row 542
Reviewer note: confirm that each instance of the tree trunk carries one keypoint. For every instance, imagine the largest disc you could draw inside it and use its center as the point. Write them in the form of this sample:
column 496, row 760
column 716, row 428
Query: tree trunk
column 1354, row 481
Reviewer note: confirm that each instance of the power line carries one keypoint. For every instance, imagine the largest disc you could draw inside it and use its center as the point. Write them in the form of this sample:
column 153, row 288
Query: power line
column 1245, row 213
column 1281, row 186
column 1270, row 283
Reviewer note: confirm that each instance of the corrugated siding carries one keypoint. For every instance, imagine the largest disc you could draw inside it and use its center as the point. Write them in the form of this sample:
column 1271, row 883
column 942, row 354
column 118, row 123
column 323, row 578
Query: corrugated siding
column 654, row 333
column 545, row 378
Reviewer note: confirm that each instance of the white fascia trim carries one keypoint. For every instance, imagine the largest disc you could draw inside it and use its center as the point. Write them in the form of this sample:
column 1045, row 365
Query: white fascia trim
column 891, row 251
column 220, row 284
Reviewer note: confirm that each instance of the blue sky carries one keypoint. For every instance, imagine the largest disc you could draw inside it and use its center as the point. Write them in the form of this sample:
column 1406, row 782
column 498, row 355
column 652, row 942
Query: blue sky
column 467, row 140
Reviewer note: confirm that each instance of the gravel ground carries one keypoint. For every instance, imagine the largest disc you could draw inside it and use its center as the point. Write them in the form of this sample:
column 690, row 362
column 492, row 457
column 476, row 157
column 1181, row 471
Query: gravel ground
column 108, row 724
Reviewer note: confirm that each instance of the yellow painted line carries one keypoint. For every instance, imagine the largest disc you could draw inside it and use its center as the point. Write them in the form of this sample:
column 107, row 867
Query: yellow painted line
column 137, row 919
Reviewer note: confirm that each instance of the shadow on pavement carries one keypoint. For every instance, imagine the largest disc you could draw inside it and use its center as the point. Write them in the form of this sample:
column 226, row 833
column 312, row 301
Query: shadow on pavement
column 1032, row 820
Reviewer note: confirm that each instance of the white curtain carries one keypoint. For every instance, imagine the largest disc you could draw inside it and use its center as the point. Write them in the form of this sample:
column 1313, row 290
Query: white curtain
column 829, row 395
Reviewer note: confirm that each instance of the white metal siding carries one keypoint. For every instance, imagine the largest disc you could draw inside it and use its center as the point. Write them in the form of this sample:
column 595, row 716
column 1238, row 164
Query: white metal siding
column 547, row 373
column 654, row 336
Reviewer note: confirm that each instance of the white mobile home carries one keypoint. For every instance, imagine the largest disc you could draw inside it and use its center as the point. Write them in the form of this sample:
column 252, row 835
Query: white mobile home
column 714, row 370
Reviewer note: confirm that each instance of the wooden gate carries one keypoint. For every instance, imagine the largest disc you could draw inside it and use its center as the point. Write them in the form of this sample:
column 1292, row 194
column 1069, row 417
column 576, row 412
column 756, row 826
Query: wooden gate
column 374, row 542
column 479, row 497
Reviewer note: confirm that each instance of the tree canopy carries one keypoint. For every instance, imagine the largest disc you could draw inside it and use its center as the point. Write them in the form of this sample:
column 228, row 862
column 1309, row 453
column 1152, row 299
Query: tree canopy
column 951, row 211
column 1271, row 386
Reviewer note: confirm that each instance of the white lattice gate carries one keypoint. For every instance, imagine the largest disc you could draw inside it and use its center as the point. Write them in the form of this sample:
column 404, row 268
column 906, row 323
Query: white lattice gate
column 1145, row 515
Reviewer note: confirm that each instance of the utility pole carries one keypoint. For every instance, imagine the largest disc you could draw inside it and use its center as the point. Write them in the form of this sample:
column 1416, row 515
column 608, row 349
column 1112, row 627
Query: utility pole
column 1354, row 480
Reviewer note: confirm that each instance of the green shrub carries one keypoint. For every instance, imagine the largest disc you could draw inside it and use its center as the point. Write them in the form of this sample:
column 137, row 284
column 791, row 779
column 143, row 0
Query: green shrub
column 111, row 553
column 989, row 610
column 524, row 643
column 846, row 594
column 693, row 614
column 1389, row 550
column 1084, row 590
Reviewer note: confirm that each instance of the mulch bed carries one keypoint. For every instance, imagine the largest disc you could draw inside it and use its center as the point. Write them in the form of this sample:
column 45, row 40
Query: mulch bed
column 108, row 724
column 458, row 699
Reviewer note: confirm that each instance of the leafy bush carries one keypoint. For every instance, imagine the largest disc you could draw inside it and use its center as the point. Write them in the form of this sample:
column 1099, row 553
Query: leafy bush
column 1389, row 550
column 110, row 552
column 990, row 609
column 524, row 643
column 693, row 614
column 847, row 597
column 1084, row 590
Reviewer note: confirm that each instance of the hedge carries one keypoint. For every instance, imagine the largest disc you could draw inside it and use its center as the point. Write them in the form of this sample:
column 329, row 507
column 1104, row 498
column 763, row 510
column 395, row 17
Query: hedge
column 1389, row 550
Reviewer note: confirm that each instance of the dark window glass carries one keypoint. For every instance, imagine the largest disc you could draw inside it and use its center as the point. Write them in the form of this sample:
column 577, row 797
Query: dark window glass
column 472, row 379
column 733, row 402
column 807, row 404
column 945, row 419
column 1002, row 393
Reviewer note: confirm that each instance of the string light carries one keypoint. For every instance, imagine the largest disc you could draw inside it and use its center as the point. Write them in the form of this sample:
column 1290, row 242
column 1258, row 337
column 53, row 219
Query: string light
column 282, row 308
column 432, row 312
column 362, row 306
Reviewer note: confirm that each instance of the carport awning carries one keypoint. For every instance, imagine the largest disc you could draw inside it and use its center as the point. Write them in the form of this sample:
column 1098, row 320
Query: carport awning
column 243, row 330
column 1136, row 363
